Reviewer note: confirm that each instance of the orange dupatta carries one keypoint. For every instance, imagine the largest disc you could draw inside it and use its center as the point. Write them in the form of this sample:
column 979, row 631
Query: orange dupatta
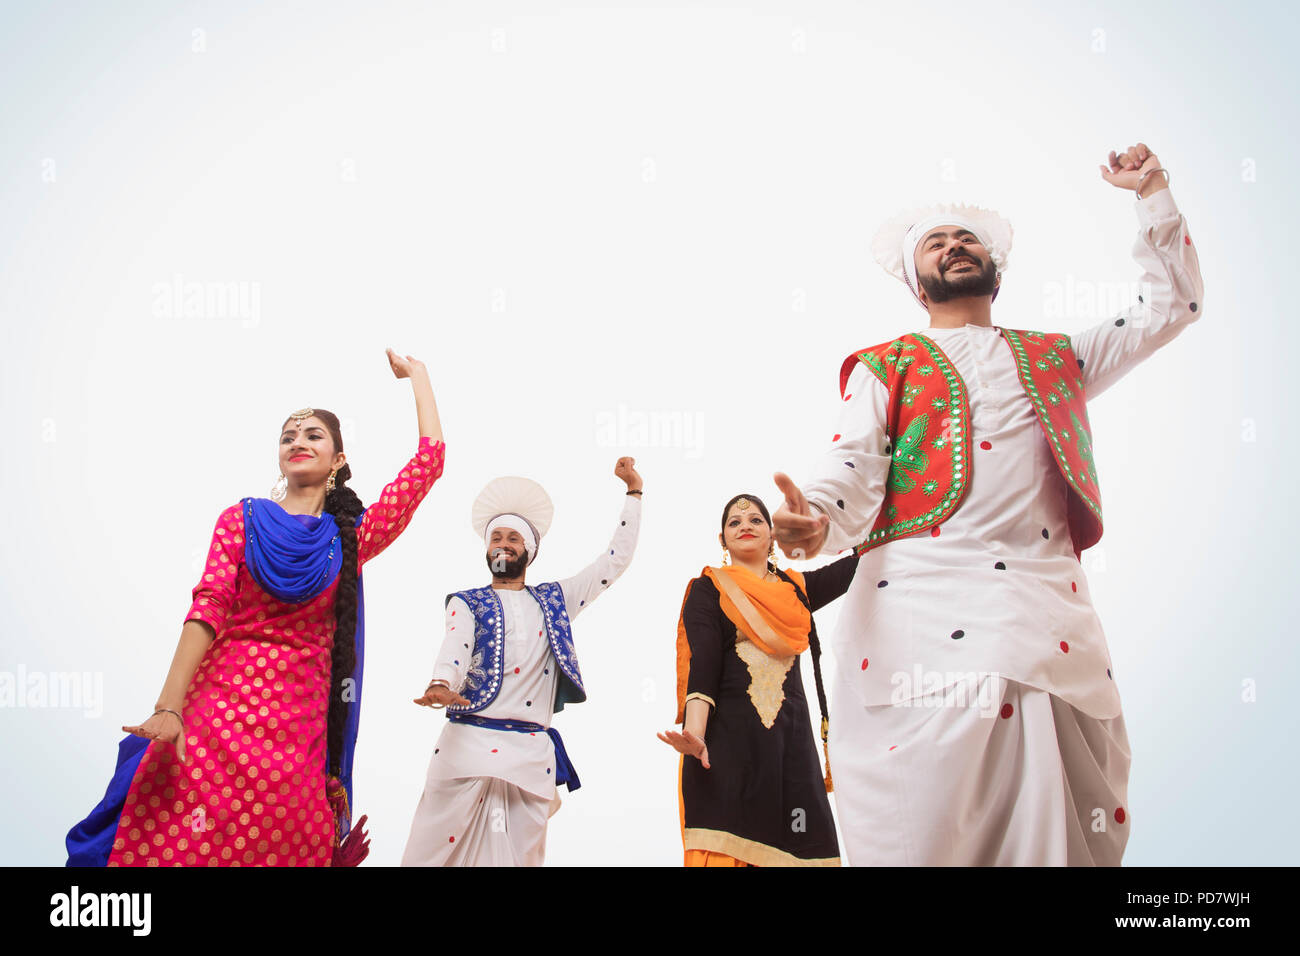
column 767, row 613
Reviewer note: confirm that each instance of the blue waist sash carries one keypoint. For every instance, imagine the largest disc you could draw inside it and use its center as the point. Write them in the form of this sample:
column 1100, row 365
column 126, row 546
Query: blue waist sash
column 564, row 771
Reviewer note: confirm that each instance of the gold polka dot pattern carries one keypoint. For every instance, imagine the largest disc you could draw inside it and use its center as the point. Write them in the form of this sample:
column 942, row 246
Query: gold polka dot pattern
column 253, row 790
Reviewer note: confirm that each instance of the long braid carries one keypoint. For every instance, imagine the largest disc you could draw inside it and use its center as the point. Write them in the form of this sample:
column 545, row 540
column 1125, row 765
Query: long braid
column 346, row 508
column 342, row 502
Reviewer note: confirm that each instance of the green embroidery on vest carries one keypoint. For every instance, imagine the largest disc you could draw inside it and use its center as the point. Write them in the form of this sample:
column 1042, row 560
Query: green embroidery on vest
column 939, row 403
column 925, row 370
column 930, row 487
column 877, row 367
column 908, row 456
column 1084, row 446
column 910, row 392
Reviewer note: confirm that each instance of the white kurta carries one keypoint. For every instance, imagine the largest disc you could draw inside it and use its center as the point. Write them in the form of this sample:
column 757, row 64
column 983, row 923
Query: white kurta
column 996, row 589
column 489, row 792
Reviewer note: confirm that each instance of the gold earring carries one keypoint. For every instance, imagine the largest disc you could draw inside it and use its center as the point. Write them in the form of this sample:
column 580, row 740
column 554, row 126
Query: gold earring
column 771, row 555
column 329, row 484
column 726, row 556
column 280, row 488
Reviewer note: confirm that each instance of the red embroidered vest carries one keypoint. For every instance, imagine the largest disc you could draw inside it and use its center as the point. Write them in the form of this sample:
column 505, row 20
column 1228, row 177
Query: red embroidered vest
column 929, row 415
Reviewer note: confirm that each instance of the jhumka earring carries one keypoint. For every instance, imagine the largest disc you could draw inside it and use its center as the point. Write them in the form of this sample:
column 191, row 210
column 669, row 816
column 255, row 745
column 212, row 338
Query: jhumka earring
column 280, row 488
column 329, row 484
column 771, row 555
column 726, row 556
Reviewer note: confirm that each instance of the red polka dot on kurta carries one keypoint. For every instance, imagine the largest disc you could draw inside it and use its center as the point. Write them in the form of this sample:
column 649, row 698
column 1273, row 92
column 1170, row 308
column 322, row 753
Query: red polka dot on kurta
column 494, row 749
column 986, row 445
column 848, row 396
column 1007, row 711
column 836, row 438
column 1065, row 647
column 516, row 670
column 934, row 532
column 1187, row 240
column 453, row 614
column 864, row 663
column 895, row 747
column 539, row 634
column 1119, row 815
column 451, row 839
column 1074, row 586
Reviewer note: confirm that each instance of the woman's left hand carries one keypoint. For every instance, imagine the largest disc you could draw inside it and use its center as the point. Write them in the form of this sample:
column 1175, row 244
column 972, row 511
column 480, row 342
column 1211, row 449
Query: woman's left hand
column 404, row 367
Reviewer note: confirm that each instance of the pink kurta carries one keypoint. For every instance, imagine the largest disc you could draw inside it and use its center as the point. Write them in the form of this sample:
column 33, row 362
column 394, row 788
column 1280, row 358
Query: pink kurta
column 253, row 791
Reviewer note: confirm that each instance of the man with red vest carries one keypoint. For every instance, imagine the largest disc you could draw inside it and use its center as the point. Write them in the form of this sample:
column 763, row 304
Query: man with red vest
column 975, row 718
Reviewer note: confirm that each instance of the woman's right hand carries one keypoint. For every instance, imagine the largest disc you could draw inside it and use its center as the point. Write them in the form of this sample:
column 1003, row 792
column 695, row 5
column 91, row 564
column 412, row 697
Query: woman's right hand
column 687, row 743
column 163, row 726
column 440, row 695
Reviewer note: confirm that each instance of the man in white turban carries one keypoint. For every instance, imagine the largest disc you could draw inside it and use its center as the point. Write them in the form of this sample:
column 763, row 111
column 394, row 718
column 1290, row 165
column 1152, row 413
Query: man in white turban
column 975, row 718
column 507, row 664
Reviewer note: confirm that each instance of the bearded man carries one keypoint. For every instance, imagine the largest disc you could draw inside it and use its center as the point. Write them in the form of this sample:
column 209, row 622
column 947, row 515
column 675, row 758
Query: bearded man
column 975, row 718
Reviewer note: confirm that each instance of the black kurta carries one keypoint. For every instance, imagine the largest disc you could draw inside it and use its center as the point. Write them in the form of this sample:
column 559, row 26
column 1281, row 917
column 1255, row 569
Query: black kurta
column 763, row 800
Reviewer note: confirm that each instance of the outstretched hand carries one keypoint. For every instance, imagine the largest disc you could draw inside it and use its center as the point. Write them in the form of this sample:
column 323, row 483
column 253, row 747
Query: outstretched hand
column 163, row 726
column 1125, row 170
column 687, row 743
column 403, row 366
column 440, row 695
column 799, row 533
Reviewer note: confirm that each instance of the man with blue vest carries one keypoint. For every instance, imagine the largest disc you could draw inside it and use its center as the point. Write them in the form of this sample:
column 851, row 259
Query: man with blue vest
column 975, row 718
column 506, row 665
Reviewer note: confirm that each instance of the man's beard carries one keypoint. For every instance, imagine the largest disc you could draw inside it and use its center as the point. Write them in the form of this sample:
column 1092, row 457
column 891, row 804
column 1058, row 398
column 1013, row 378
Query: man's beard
column 983, row 280
column 505, row 566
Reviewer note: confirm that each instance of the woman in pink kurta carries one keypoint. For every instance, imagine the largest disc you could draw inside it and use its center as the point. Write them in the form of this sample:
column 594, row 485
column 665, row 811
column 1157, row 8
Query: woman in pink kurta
column 247, row 782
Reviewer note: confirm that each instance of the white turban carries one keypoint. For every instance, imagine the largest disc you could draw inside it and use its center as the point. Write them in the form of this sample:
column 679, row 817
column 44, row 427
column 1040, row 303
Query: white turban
column 513, row 502
column 894, row 246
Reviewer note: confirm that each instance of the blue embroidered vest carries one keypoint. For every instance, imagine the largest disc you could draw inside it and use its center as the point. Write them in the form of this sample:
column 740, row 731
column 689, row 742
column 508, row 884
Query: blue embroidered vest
column 483, row 682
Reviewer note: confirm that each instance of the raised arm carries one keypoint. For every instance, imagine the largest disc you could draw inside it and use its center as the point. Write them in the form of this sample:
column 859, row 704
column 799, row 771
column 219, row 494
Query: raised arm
column 589, row 583
column 388, row 517
column 1171, row 297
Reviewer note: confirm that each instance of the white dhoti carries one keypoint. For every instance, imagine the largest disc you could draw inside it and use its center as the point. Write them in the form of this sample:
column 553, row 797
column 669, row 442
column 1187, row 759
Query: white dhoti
column 478, row 821
column 987, row 772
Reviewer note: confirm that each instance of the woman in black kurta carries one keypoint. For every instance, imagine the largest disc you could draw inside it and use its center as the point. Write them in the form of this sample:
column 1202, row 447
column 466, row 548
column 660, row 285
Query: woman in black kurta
column 761, row 799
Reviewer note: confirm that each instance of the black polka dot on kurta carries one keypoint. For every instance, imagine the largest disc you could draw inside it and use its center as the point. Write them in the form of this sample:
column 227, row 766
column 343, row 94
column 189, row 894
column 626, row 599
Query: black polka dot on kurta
column 1108, row 673
column 1119, row 322
column 882, row 584
column 851, row 465
column 546, row 670
column 1192, row 306
column 622, row 522
column 528, row 703
column 581, row 603
column 1001, row 566
column 888, row 449
column 457, row 663
column 958, row 635
column 1080, row 361
column 435, row 749
column 1140, row 299
column 603, row 581
column 839, row 503
column 1045, row 534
